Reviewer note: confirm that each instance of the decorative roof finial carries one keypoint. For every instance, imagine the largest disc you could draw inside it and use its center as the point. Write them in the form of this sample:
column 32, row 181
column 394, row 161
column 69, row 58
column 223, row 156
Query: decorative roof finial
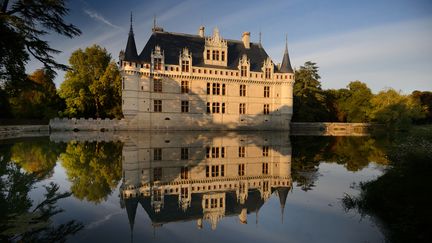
column 286, row 42
column 260, row 37
column 154, row 21
column 131, row 29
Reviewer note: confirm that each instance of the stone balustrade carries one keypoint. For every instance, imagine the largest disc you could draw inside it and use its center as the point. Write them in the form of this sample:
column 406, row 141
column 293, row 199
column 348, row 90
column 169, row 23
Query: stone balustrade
column 90, row 124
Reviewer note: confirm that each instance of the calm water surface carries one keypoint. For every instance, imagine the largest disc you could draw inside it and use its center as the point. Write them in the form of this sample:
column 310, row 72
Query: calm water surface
column 190, row 187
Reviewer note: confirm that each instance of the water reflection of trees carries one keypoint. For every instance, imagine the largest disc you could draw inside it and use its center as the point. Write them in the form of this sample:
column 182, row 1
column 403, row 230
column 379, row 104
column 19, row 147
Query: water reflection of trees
column 93, row 168
column 355, row 153
column 21, row 219
column 37, row 156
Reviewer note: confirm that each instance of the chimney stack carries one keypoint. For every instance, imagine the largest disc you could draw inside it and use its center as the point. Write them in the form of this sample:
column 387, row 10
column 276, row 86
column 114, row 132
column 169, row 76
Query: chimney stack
column 246, row 39
column 201, row 31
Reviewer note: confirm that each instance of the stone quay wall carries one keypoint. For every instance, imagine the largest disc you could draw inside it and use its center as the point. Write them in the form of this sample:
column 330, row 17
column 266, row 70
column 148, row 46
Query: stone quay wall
column 21, row 131
column 331, row 128
column 90, row 124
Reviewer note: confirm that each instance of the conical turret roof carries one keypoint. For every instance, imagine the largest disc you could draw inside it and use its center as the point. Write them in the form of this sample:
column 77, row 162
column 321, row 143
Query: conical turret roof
column 286, row 63
column 131, row 53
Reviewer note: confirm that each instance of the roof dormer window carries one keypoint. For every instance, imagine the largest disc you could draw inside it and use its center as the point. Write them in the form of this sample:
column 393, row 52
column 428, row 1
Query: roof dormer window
column 215, row 50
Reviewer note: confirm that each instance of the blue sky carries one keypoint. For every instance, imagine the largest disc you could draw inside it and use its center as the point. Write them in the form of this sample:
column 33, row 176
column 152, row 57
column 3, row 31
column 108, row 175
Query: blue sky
column 382, row 43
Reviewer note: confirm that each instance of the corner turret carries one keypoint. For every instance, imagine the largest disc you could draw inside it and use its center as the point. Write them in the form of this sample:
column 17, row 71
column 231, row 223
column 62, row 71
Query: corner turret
column 286, row 63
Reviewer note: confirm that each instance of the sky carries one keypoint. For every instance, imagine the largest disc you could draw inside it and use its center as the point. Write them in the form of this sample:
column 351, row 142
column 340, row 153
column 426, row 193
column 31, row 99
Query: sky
column 384, row 43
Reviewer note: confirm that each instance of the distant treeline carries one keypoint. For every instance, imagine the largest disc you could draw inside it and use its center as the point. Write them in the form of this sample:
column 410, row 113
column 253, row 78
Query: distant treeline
column 356, row 102
column 92, row 88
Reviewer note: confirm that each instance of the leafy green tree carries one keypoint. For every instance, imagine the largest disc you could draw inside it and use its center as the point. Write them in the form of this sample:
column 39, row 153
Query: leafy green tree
column 92, row 87
column 354, row 102
column 310, row 102
column 94, row 168
column 395, row 110
column 425, row 99
column 39, row 99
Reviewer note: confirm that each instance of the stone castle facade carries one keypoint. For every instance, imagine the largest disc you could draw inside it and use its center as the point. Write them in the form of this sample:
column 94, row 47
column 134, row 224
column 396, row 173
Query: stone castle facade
column 199, row 82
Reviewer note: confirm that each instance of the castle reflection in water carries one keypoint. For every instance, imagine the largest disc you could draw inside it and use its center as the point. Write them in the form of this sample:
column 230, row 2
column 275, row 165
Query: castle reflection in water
column 192, row 176
column 186, row 176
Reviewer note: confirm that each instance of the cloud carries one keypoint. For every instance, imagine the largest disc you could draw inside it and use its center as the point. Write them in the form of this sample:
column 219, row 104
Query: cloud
column 390, row 55
column 99, row 17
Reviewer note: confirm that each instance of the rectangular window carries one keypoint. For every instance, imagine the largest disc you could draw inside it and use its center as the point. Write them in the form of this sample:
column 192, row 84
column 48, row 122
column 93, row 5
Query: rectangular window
column 266, row 91
column 184, row 153
column 218, row 89
column 243, row 72
column 265, row 168
column 215, row 152
column 214, row 171
column 223, row 89
column 266, row 109
column 222, row 170
column 215, row 107
column 265, row 151
column 213, row 203
column 241, row 169
column 157, row 105
column 207, row 152
column 242, row 151
column 217, row 56
column 123, row 84
column 208, row 55
column 185, row 86
column 207, row 171
column 265, row 186
column 223, row 56
column 157, row 194
column 185, row 66
column 242, row 89
column 267, row 73
column 157, row 174
column 223, row 108
column 157, row 85
column 157, row 63
column 208, row 88
column 184, row 173
column 214, row 55
column 184, row 192
column 222, row 152
column 208, row 107
column 242, row 108
column 184, row 106
column 157, row 154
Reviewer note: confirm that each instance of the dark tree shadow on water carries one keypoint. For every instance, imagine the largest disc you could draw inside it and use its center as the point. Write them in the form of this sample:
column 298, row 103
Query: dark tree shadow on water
column 23, row 220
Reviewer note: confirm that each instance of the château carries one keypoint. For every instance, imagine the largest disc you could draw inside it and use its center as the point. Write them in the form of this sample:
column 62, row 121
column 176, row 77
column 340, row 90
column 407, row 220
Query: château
column 199, row 82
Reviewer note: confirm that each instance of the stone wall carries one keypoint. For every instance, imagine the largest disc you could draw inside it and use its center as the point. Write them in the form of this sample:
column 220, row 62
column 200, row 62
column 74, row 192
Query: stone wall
column 330, row 128
column 20, row 131
column 82, row 124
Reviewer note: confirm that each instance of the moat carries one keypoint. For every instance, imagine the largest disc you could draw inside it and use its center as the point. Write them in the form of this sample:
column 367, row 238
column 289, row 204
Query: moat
column 189, row 187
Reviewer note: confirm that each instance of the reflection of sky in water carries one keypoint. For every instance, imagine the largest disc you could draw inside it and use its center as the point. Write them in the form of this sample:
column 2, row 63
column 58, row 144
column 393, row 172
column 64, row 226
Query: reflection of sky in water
column 309, row 216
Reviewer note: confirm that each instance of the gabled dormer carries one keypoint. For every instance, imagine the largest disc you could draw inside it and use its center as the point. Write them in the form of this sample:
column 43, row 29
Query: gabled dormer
column 244, row 66
column 185, row 60
column 268, row 68
column 157, row 59
column 215, row 50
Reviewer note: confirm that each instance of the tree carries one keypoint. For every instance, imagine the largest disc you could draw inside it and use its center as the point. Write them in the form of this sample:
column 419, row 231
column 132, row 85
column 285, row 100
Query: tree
column 38, row 99
column 22, row 24
column 394, row 109
column 354, row 102
column 92, row 87
column 425, row 99
column 93, row 168
column 309, row 99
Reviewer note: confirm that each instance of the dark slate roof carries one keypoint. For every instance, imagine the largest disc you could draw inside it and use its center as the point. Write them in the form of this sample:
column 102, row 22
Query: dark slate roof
column 171, row 212
column 173, row 43
column 286, row 63
column 131, row 53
